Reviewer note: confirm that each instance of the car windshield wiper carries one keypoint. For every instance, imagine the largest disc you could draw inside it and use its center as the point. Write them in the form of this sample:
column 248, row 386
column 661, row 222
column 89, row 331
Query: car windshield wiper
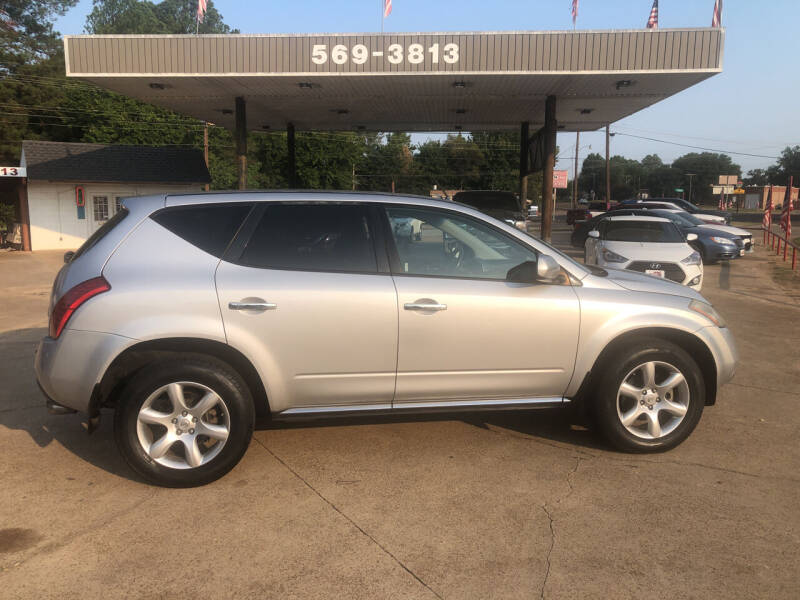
column 599, row 271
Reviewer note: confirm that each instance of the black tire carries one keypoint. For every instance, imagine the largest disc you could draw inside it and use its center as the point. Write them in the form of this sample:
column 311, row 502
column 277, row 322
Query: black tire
column 209, row 372
column 614, row 372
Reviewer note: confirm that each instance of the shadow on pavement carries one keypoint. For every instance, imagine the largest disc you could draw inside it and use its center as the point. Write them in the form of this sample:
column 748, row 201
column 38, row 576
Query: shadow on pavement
column 22, row 408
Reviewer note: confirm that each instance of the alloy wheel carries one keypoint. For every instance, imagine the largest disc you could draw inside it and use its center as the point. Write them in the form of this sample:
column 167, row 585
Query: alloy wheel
column 183, row 425
column 653, row 400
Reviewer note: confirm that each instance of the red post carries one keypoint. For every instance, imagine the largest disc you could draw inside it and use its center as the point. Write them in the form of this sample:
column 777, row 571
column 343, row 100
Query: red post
column 785, row 248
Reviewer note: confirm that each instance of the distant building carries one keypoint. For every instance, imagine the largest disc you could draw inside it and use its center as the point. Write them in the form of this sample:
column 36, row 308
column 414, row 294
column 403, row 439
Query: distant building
column 59, row 172
column 756, row 196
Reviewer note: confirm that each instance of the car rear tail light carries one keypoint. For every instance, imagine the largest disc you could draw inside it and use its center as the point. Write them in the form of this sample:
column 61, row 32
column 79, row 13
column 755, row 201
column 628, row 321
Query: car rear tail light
column 72, row 300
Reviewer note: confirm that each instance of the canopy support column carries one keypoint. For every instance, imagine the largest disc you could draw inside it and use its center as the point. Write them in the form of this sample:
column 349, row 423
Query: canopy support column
column 524, row 141
column 292, row 156
column 550, row 131
column 241, row 142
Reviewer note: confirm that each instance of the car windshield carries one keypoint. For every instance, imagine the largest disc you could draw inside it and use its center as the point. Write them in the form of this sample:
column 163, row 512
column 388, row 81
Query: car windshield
column 642, row 231
column 683, row 219
column 690, row 218
column 484, row 201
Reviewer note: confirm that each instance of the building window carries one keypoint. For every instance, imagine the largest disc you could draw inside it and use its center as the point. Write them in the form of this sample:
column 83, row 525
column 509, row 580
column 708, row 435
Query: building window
column 101, row 208
column 117, row 204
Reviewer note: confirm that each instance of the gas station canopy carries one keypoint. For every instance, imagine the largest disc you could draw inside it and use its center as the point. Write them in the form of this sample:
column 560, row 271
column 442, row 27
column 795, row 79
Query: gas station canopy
column 406, row 82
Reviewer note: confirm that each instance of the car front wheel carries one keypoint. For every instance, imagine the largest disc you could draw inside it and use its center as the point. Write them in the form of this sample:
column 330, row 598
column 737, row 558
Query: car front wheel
column 185, row 422
column 651, row 399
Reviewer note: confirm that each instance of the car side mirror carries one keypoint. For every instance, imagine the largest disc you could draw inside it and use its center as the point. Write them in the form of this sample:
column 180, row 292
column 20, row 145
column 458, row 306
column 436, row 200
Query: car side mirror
column 543, row 270
column 68, row 256
column 594, row 234
column 690, row 237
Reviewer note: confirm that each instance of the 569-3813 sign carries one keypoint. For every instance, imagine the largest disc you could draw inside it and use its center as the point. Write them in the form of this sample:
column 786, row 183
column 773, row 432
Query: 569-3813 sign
column 395, row 54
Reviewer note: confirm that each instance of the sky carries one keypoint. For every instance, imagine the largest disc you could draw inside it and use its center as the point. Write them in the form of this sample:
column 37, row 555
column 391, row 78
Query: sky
column 750, row 108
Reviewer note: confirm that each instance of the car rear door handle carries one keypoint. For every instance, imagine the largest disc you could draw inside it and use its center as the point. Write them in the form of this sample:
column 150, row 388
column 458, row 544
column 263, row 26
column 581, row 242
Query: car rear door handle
column 261, row 306
column 432, row 306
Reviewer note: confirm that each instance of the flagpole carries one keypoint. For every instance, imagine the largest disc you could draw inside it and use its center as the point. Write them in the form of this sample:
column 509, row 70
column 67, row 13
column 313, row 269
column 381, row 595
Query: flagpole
column 380, row 10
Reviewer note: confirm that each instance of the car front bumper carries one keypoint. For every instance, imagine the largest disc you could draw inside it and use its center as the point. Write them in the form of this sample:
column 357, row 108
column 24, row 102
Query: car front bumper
column 69, row 368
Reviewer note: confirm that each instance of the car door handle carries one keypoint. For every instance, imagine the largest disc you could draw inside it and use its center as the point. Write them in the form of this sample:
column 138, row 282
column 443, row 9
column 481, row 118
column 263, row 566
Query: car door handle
column 252, row 306
column 424, row 306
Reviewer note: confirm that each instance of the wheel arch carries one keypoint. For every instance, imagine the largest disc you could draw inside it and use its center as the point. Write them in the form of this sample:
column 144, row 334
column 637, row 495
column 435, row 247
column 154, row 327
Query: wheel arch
column 133, row 358
column 699, row 351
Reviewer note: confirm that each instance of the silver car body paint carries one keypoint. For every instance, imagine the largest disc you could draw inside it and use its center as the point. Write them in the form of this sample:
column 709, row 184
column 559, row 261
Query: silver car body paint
column 339, row 342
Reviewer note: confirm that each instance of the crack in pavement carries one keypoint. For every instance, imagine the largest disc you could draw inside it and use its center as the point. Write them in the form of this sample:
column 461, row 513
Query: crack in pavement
column 550, row 551
column 348, row 519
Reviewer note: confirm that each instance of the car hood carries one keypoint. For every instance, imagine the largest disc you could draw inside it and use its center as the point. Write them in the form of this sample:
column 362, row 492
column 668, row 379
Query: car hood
column 654, row 251
column 728, row 229
column 709, row 218
column 639, row 282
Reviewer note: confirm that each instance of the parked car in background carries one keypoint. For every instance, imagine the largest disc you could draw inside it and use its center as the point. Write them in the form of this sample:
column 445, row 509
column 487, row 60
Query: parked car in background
column 713, row 245
column 500, row 205
column 650, row 245
column 709, row 216
column 719, row 229
column 584, row 213
column 188, row 315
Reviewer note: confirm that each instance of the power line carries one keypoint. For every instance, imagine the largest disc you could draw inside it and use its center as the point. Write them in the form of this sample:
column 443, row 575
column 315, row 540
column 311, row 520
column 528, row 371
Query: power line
column 696, row 147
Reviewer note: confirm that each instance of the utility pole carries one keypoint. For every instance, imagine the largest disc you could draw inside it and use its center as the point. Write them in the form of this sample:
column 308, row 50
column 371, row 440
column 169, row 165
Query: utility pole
column 575, row 176
column 205, row 147
column 354, row 177
column 690, row 175
column 608, row 167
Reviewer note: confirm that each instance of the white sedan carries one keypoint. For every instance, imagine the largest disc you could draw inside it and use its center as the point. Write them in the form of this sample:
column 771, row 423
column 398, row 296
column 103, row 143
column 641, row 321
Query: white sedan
column 650, row 245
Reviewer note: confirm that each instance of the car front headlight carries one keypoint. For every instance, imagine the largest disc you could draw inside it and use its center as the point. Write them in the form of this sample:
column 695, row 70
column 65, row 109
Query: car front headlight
column 692, row 259
column 708, row 312
column 723, row 241
column 613, row 257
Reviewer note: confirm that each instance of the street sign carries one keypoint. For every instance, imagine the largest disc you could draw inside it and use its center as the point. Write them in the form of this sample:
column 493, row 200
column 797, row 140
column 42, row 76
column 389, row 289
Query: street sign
column 12, row 171
column 678, row 189
column 560, row 180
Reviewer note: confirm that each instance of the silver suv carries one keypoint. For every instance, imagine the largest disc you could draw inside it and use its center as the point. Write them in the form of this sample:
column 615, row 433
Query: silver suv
column 192, row 315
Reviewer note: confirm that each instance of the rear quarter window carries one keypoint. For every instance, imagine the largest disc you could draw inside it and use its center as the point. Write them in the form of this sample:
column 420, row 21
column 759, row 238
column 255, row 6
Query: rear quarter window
column 210, row 227
column 101, row 232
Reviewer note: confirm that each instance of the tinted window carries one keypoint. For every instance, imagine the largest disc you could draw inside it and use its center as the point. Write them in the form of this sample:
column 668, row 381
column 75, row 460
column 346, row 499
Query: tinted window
column 101, row 232
column 488, row 200
column 209, row 227
column 312, row 237
column 641, row 231
column 445, row 244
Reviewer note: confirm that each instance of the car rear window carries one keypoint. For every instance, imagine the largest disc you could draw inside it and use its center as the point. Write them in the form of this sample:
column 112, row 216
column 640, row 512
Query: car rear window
column 101, row 232
column 642, row 231
column 210, row 227
column 312, row 237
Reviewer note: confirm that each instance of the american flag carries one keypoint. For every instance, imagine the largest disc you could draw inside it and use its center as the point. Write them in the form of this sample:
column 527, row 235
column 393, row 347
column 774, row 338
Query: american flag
column 716, row 20
column 767, row 222
column 387, row 8
column 574, row 12
column 786, row 216
column 652, row 22
column 202, row 6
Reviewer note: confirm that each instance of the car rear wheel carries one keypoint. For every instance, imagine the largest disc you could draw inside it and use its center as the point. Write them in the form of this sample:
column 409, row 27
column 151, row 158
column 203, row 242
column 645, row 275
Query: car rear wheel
column 185, row 422
column 652, row 399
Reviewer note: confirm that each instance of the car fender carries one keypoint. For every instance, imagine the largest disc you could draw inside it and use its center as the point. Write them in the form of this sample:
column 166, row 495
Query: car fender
column 635, row 312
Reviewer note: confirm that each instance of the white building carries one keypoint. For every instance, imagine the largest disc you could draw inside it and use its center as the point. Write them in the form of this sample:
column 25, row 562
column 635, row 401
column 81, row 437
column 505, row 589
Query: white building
column 59, row 172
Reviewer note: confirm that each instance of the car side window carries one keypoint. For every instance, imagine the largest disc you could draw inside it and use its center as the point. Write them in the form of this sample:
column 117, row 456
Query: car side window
column 312, row 237
column 445, row 244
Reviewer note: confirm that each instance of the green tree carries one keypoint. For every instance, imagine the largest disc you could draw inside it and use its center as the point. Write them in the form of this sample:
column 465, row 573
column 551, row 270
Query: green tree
column 26, row 31
column 707, row 167
column 169, row 16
